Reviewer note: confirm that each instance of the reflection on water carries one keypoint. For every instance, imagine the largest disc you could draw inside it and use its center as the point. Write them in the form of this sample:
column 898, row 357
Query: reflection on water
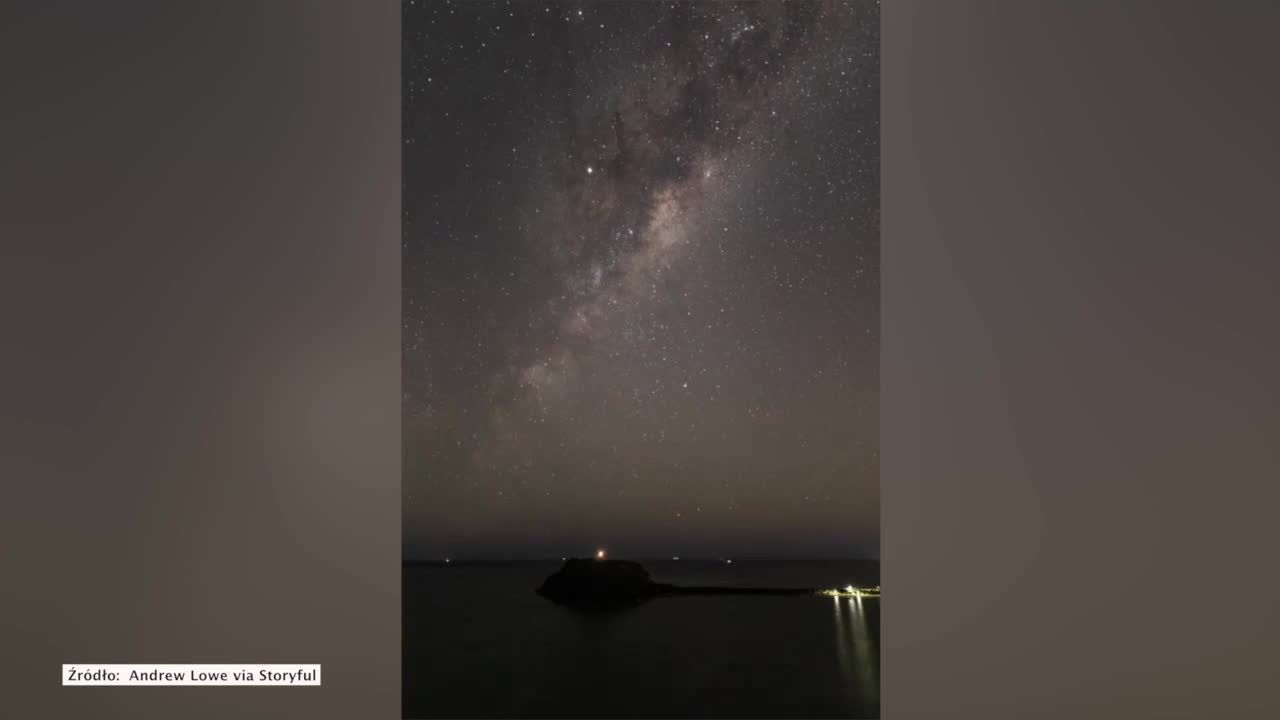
column 478, row 642
column 854, row 646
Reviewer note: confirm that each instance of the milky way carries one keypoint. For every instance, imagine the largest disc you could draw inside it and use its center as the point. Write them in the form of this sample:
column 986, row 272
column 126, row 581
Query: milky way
column 641, row 278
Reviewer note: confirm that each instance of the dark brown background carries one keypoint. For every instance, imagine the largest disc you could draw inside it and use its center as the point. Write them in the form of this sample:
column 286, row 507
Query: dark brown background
column 199, row 399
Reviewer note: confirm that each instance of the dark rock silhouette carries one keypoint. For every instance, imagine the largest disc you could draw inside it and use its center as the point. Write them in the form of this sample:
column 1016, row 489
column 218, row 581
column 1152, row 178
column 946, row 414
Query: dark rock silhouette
column 588, row 584
column 599, row 584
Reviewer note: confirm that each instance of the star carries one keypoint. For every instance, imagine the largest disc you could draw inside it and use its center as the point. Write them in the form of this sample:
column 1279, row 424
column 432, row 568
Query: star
column 595, row 215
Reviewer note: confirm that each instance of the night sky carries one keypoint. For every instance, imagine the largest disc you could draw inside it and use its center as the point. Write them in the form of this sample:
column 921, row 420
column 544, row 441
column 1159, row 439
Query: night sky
column 641, row 279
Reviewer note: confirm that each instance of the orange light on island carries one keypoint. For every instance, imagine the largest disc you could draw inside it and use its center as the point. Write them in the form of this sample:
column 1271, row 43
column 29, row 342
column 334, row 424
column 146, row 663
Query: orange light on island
column 600, row 554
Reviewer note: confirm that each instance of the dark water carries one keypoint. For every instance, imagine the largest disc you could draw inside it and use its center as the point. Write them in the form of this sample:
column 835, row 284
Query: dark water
column 479, row 643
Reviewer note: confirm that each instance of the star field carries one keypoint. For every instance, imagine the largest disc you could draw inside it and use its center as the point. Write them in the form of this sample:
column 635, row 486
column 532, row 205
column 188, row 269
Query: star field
column 641, row 278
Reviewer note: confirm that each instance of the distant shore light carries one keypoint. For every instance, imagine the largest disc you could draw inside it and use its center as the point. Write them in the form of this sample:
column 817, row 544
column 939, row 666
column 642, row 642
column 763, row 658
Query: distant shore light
column 851, row 591
column 600, row 554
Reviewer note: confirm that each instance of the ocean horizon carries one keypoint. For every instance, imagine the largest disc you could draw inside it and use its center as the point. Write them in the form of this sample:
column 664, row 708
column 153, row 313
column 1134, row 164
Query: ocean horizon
column 479, row 642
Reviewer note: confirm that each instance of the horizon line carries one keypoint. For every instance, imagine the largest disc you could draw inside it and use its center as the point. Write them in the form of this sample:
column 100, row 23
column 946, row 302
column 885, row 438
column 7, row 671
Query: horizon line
column 452, row 560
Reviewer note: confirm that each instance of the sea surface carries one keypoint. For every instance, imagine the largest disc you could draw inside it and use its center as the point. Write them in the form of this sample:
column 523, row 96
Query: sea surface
column 478, row 642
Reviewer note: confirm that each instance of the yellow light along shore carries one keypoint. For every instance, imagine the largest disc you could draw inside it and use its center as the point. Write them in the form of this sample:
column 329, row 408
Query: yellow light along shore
column 851, row 591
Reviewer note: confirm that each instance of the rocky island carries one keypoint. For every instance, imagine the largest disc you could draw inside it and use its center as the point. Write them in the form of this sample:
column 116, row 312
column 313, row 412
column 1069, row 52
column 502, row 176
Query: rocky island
column 598, row 584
